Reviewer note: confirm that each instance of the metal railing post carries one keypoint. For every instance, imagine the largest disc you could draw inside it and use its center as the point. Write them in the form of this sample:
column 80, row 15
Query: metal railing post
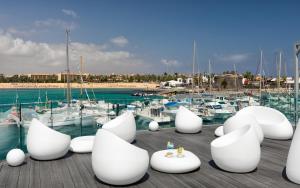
column 20, row 126
column 81, row 108
column 296, row 82
column 51, row 114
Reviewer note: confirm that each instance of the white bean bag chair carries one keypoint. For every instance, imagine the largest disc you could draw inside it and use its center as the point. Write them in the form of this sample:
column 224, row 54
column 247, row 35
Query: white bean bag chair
column 82, row 144
column 174, row 164
column 15, row 157
column 153, row 126
column 239, row 120
column 274, row 124
column 116, row 161
column 44, row 143
column 219, row 131
column 237, row 151
column 293, row 160
column 123, row 126
column 187, row 121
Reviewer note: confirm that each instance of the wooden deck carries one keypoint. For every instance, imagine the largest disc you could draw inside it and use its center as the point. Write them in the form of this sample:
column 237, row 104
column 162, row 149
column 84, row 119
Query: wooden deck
column 75, row 170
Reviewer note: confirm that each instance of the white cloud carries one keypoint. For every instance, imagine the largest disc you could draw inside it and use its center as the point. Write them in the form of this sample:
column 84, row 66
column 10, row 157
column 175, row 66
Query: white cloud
column 24, row 56
column 120, row 41
column 21, row 32
column 69, row 13
column 170, row 62
column 233, row 58
column 54, row 23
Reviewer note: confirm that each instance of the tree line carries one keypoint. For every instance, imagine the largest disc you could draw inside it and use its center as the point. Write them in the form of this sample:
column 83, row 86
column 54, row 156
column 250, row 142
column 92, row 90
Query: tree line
column 96, row 78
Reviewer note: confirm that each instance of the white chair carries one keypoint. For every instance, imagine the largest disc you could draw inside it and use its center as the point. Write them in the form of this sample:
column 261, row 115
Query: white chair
column 153, row 126
column 237, row 151
column 15, row 157
column 187, row 121
column 274, row 124
column 116, row 161
column 82, row 144
column 219, row 131
column 239, row 120
column 123, row 126
column 293, row 162
column 44, row 143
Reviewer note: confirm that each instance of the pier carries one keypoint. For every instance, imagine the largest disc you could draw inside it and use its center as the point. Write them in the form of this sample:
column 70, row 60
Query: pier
column 75, row 170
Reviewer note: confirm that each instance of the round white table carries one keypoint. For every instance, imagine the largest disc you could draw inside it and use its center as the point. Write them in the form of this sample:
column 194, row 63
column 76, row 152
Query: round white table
column 174, row 164
column 82, row 144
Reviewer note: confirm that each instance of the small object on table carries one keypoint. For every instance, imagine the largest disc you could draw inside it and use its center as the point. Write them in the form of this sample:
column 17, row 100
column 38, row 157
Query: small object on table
column 169, row 154
column 170, row 145
column 180, row 152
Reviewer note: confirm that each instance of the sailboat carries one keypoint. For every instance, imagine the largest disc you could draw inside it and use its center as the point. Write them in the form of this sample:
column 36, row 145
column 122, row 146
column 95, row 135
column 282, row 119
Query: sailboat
column 71, row 113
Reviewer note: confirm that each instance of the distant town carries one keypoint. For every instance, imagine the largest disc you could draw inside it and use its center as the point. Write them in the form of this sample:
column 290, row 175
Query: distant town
column 225, row 80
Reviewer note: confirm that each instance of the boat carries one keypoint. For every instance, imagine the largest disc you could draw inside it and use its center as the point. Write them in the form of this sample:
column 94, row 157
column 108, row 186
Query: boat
column 218, row 111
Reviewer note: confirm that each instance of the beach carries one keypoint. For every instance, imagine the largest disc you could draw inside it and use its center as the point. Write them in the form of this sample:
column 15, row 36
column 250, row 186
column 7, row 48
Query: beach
column 131, row 85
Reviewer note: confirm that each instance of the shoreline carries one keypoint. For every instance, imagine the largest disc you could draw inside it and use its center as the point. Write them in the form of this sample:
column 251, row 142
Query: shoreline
column 131, row 85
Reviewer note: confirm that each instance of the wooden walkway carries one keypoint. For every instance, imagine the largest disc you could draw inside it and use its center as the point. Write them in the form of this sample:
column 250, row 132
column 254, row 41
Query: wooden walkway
column 75, row 170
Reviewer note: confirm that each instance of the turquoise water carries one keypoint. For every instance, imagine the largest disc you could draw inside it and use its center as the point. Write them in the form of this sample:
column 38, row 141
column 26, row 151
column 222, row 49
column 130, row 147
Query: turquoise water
column 31, row 95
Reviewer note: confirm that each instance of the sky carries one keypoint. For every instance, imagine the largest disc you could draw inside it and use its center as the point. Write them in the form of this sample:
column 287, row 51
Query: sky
column 147, row 36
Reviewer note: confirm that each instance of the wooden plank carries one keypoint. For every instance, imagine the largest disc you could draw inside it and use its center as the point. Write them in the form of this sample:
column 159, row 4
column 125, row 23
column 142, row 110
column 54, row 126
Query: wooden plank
column 45, row 174
column 64, row 173
column 34, row 177
column 75, row 170
column 87, row 176
column 4, row 175
column 57, row 181
column 78, row 180
column 24, row 177
column 13, row 177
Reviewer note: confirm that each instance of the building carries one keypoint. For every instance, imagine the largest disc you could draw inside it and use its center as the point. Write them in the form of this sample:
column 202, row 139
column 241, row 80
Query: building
column 42, row 77
column 180, row 80
column 189, row 81
column 62, row 77
column 227, row 81
column 171, row 83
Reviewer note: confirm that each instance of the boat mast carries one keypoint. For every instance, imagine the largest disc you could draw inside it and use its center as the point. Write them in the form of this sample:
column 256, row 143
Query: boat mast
column 17, row 96
column 279, row 71
column 285, row 74
column 39, row 98
column 194, row 58
column 81, row 79
column 46, row 100
column 199, row 77
column 209, row 72
column 68, row 68
column 296, row 51
column 260, row 73
column 235, row 77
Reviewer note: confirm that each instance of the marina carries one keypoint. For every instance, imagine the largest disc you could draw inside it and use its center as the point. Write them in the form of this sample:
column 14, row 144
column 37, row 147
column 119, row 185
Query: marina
column 78, row 122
